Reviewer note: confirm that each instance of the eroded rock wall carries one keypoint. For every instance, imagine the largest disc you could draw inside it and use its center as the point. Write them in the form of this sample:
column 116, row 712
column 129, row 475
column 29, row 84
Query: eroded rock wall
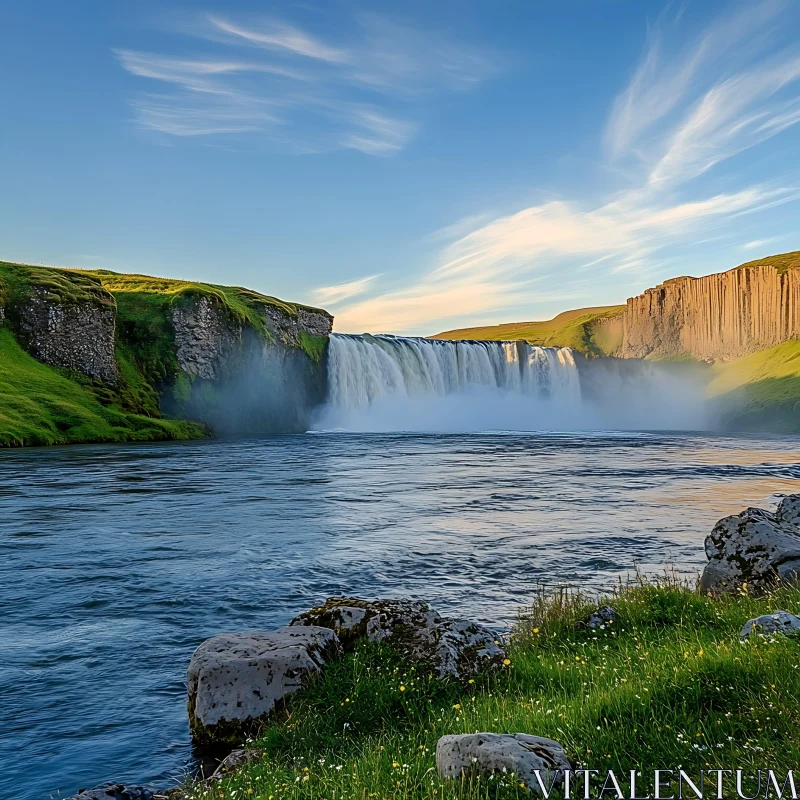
column 204, row 338
column 720, row 316
column 76, row 335
column 241, row 382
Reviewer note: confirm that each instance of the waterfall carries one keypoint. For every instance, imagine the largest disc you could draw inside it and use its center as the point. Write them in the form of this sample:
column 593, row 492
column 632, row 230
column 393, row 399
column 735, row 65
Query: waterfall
column 404, row 380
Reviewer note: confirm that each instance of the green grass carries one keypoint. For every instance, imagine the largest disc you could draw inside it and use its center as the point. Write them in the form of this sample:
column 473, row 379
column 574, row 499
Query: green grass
column 18, row 280
column 40, row 405
column 313, row 346
column 782, row 263
column 575, row 329
column 760, row 390
column 667, row 685
column 244, row 306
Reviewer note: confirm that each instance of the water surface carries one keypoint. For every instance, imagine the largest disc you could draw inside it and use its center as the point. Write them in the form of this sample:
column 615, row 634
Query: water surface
column 117, row 561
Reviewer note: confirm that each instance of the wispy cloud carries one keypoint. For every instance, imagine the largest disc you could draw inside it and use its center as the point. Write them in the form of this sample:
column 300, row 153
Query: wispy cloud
column 684, row 111
column 331, row 295
column 295, row 90
column 275, row 35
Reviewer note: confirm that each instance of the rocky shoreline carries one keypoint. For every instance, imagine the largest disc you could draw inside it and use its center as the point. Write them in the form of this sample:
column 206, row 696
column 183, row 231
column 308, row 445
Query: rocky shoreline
column 239, row 682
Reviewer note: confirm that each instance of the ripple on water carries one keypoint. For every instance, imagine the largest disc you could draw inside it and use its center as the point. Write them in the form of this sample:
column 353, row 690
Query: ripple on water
column 116, row 561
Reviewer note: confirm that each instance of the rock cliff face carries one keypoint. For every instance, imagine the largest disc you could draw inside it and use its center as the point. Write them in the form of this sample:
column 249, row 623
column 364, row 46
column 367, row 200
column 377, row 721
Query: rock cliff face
column 242, row 381
column 238, row 361
column 204, row 338
column 718, row 317
column 75, row 335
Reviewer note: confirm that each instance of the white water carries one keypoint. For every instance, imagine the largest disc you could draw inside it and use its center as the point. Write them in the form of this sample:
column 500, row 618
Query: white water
column 391, row 383
column 364, row 369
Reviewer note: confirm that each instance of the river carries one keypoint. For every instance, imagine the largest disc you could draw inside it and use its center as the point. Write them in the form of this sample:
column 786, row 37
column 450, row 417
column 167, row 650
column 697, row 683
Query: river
column 117, row 561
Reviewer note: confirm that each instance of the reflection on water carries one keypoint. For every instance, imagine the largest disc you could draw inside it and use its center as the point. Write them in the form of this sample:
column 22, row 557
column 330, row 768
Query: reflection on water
column 115, row 562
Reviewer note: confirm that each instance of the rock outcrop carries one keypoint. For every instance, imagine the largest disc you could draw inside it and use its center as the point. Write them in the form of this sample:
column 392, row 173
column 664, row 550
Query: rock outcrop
column 721, row 316
column 75, row 335
column 204, row 337
column 450, row 648
column 605, row 615
column 236, row 680
column 242, row 380
column 207, row 339
column 781, row 622
column 114, row 791
column 538, row 762
column 754, row 550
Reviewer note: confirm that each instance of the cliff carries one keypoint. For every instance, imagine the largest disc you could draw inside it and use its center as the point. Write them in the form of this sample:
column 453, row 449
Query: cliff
column 723, row 316
column 103, row 356
column 718, row 317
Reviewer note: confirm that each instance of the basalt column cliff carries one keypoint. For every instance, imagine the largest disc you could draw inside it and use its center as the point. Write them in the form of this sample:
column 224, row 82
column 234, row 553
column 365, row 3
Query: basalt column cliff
column 718, row 317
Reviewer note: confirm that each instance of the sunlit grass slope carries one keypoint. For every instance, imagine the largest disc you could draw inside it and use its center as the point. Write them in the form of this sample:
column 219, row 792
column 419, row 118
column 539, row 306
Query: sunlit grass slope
column 667, row 685
column 573, row 329
column 40, row 405
column 760, row 390
column 782, row 262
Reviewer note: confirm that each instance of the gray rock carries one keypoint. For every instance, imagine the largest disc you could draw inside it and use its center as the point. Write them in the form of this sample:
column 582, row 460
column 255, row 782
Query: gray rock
column 235, row 761
column 114, row 791
column 605, row 615
column 286, row 328
column 768, row 624
column 484, row 754
column 205, row 338
column 756, row 548
column 75, row 335
column 451, row 648
column 235, row 680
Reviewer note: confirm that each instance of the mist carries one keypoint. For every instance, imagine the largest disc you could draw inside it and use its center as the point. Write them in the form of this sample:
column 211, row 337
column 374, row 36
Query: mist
column 384, row 384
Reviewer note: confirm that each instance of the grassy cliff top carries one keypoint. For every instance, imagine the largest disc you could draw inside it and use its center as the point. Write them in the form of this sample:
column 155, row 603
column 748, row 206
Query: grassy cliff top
column 64, row 286
column 568, row 329
column 236, row 298
column 102, row 286
column 782, row 262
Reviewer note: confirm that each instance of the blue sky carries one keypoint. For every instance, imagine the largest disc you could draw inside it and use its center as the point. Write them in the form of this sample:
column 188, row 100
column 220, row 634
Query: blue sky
column 411, row 167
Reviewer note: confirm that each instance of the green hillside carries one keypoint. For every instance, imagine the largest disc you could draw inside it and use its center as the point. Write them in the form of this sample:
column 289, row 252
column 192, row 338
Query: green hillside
column 760, row 391
column 575, row 329
column 40, row 405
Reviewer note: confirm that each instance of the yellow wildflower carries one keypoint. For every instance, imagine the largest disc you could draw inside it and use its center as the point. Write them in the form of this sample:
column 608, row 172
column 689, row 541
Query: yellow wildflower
column 507, row 661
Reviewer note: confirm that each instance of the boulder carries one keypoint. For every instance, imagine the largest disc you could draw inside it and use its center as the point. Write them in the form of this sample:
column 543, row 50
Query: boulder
column 451, row 648
column 484, row 754
column 605, row 615
column 235, row 761
column 769, row 624
column 754, row 550
column 235, row 680
column 114, row 791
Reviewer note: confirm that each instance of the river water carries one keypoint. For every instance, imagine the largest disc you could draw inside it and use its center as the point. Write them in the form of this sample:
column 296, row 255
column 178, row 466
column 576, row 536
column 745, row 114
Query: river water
column 117, row 561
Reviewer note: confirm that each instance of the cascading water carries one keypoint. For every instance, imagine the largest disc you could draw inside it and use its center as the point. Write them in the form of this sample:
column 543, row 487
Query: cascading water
column 396, row 383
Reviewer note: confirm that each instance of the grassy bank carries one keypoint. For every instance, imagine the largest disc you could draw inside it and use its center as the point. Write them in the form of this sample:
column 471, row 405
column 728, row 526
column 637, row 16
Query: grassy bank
column 667, row 685
column 40, row 405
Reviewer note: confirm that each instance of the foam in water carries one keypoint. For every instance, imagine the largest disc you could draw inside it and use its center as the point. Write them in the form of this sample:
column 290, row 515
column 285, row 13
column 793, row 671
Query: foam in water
column 391, row 383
